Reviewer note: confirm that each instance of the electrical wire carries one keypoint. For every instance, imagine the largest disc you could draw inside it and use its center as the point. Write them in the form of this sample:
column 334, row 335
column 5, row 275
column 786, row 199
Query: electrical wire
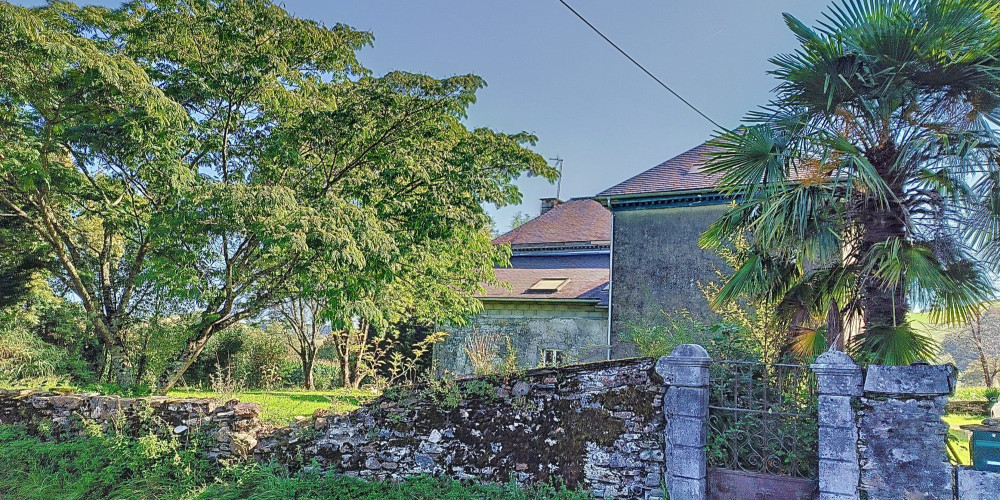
column 640, row 66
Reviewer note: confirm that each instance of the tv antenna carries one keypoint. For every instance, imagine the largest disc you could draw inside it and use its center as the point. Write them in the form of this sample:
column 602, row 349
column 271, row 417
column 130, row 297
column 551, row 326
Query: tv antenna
column 559, row 164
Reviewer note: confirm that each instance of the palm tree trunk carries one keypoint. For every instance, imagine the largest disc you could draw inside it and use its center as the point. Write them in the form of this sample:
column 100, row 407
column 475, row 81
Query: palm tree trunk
column 883, row 303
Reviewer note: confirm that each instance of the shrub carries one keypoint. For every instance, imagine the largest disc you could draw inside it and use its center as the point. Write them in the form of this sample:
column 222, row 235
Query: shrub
column 243, row 355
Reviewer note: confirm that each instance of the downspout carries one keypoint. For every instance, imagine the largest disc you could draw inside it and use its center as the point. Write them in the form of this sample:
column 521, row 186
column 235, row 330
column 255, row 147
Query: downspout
column 611, row 273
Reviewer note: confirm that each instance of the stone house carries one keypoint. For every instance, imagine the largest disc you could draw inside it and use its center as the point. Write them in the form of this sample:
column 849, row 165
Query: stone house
column 626, row 256
column 555, row 310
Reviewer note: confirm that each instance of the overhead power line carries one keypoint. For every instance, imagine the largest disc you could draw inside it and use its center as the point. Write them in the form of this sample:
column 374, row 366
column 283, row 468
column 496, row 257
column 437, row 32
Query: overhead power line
column 640, row 66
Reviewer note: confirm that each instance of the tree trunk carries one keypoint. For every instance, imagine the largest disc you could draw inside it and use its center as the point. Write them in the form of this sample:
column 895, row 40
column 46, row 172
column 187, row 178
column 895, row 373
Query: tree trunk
column 120, row 368
column 309, row 383
column 183, row 359
column 883, row 304
column 345, row 372
column 987, row 375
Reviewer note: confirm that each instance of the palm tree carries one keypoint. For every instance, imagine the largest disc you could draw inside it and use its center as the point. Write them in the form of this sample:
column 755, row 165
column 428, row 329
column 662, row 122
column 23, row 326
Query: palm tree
column 870, row 184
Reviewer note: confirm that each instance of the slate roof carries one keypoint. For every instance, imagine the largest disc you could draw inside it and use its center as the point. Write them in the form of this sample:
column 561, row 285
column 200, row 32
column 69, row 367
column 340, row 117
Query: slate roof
column 588, row 276
column 680, row 173
column 575, row 221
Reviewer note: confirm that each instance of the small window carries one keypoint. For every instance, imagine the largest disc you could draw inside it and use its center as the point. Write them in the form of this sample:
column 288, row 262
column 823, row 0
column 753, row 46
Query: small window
column 548, row 285
column 552, row 357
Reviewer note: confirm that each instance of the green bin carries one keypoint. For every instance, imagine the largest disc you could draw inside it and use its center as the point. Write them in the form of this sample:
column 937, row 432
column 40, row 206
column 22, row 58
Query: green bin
column 985, row 450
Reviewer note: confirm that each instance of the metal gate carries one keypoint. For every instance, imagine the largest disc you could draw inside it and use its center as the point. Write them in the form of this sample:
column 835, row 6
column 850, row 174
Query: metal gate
column 762, row 432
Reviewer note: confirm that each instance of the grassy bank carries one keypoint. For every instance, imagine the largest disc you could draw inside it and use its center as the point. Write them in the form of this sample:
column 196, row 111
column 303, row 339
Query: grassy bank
column 113, row 467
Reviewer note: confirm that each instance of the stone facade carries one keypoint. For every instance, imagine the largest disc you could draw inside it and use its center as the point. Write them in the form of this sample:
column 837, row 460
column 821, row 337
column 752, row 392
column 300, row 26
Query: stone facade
column 578, row 331
column 233, row 428
column 657, row 265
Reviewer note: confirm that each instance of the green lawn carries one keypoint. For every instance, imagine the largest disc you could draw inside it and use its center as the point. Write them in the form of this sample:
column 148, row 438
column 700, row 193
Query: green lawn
column 959, row 438
column 281, row 406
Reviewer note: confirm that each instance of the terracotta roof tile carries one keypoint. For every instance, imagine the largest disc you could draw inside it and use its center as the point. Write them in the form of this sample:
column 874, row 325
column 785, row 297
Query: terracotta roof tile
column 575, row 221
column 680, row 173
column 588, row 276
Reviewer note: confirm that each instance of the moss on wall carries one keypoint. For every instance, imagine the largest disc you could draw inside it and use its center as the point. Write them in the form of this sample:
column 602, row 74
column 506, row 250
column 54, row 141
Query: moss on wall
column 657, row 265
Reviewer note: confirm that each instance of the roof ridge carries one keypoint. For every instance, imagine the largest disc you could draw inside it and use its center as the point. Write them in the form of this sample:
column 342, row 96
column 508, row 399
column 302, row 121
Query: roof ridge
column 682, row 172
column 573, row 221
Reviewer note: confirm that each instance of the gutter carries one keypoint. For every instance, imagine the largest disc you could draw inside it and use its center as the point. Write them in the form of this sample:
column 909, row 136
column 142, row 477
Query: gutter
column 547, row 300
column 611, row 274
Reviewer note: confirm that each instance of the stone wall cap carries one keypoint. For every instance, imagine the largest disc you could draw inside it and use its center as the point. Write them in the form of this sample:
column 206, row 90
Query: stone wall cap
column 689, row 351
column 834, row 359
column 684, row 355
column 914, row 380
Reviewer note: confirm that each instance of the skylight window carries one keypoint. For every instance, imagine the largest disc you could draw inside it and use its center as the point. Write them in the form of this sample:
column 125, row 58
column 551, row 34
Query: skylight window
column 548, row 285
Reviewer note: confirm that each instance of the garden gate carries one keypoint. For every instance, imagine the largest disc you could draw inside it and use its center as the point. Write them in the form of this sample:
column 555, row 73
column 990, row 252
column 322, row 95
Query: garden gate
column 762, row 432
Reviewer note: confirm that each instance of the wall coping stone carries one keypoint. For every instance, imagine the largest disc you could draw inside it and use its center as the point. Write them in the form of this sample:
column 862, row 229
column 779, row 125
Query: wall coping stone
column 976, row 484
column 837, row 374
column 913, row 380
column 684, row 355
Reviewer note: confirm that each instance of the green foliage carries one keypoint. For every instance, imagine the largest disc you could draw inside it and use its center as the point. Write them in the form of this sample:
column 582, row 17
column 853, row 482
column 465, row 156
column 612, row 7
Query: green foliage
column 326, row 374
column 870, row 183
column 97, row 467
column 656, row 339
column 442, row 391
column 992, row 394
column 156, row 468
column 969, row 394
column 479, row 388
column 245, row 356
column 722, row 339
column 894, row 345
column 42, row 339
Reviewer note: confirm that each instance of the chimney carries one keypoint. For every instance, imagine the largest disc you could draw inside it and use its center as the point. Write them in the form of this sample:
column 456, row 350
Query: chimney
column 549, row 204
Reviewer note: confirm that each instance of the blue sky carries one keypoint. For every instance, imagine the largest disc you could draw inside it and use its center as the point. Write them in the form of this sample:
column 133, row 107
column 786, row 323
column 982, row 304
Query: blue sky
column 550, row 75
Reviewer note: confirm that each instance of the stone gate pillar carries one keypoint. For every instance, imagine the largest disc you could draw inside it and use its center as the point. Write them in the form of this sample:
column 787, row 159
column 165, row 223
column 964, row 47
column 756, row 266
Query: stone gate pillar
column 903, row 437
column 838, row 381
column 685, row 406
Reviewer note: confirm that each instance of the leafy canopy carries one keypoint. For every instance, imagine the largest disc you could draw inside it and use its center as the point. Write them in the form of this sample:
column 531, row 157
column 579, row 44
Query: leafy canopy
column 212, row 158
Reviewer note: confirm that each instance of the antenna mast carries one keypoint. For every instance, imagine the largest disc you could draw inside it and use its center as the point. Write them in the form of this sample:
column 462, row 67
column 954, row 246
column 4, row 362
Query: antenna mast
column 559, row 163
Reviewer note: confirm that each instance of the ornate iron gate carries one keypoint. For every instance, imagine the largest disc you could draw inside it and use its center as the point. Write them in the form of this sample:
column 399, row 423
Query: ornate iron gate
column 762, row 431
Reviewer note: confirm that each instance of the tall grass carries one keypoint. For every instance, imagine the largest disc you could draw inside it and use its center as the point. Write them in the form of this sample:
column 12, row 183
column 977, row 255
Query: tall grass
column 115, row 467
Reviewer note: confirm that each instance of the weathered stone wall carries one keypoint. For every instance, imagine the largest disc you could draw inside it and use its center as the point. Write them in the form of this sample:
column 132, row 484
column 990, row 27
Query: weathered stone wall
column 598, row 427
column 233, row 428
column 968, row 407
column 901, row 437
column 881, row 435
column 657, row 265
column 579, row 330
column 977, row 485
